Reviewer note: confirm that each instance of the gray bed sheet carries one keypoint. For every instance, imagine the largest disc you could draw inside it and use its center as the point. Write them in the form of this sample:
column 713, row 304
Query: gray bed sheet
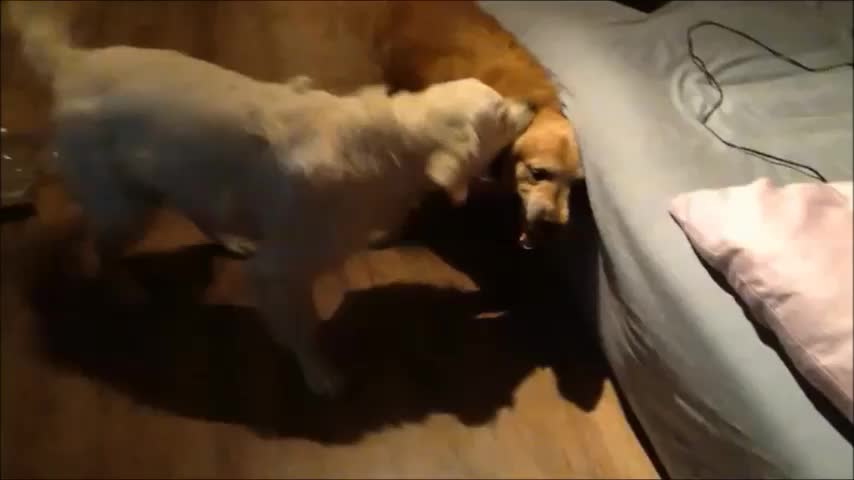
column 715, row 400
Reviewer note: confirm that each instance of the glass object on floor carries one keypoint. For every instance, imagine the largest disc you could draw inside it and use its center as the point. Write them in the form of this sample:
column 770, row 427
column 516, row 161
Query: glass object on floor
column 18, row 160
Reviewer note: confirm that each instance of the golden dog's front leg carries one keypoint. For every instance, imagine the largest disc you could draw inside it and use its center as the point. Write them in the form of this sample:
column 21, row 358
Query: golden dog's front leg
column 287, row 307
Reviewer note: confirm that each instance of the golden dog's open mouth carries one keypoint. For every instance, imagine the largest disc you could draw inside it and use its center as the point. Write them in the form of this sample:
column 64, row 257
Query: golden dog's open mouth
column 526, row 242
column 529, row 238
column 538, row 233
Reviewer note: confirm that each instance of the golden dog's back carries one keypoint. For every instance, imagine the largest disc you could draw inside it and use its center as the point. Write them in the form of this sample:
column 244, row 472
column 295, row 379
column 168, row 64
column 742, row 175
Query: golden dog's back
column 332, row 42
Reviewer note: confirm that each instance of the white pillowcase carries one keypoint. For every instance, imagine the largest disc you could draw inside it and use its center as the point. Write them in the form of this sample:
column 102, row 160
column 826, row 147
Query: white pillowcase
column 788, row 253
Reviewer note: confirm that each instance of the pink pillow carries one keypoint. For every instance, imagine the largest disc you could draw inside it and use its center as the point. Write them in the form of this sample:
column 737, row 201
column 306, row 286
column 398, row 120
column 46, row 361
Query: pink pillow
column 787, row 252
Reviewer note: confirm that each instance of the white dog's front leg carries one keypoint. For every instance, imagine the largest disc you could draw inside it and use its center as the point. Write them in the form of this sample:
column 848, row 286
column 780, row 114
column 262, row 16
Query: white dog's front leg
column 287, row 306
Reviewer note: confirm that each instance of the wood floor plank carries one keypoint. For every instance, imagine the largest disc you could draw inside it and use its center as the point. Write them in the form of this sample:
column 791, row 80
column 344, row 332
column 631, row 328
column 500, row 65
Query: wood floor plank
column 81, row 419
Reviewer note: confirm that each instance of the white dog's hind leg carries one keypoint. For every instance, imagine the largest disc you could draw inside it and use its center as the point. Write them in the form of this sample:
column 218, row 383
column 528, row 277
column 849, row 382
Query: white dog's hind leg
column 115, row 211
column 287, row 306
column 116, row 216
column 117, row 219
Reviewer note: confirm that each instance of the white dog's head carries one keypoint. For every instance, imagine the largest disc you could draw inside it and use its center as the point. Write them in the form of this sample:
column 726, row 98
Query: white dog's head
column 471, row 123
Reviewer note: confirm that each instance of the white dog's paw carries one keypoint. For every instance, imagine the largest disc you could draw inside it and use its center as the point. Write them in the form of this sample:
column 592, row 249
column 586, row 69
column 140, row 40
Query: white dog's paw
column 322, row 379
column 237, row 245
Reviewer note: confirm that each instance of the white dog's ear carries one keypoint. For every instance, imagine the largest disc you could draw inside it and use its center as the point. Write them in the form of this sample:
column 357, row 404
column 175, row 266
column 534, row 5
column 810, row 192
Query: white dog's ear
column 519, row 113
column 447, row 172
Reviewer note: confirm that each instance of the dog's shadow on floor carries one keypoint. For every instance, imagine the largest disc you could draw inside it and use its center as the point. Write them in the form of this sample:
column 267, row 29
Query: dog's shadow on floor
column 551, row 291
column 410, row 351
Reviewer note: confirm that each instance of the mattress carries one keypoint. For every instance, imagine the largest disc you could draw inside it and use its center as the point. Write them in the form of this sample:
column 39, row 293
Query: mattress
column 714, row 397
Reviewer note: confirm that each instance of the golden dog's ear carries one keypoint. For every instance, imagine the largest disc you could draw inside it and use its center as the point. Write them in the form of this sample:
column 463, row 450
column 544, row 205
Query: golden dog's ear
column 448, row 173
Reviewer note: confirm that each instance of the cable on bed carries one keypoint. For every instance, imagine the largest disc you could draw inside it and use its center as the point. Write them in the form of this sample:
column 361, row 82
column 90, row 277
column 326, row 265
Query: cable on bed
column 773, row 159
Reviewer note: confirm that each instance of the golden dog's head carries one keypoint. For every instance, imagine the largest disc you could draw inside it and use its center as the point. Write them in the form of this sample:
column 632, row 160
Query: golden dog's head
column 471, row 123
column 544, row 166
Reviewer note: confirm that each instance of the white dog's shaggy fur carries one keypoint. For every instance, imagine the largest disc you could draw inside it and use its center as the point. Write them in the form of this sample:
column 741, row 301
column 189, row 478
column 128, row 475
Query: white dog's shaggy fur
column 304, row 175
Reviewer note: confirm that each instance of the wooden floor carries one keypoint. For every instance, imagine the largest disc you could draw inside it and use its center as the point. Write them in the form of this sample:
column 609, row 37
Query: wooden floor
column 469, row 358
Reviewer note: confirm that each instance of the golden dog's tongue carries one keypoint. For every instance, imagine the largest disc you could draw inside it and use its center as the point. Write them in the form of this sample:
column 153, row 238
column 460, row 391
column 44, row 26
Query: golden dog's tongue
column 525, row 242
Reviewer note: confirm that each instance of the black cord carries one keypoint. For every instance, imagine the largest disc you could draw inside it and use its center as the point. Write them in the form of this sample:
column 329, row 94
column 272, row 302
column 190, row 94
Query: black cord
column 799, row 167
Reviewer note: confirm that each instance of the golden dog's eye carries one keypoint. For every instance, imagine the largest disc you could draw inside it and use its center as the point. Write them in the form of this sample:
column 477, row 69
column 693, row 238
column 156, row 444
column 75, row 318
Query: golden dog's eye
column 539, row 174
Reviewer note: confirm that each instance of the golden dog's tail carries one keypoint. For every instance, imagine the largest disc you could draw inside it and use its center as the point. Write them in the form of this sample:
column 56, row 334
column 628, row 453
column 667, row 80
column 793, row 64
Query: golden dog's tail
column 43, row 27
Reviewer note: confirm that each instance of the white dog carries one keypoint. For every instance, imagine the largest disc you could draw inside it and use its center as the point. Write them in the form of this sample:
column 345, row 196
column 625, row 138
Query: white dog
column 303, row 175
